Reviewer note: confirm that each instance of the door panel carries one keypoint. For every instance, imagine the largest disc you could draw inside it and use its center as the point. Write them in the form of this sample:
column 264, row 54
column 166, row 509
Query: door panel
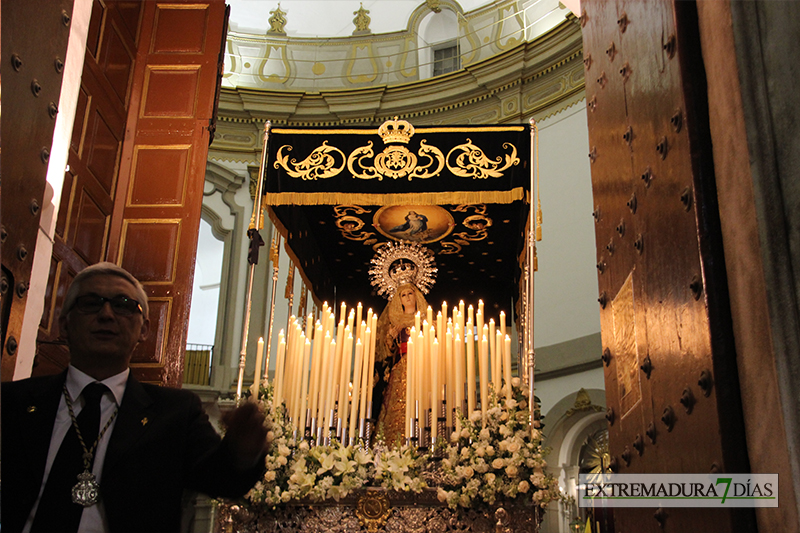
column 90, row 182
column 670, row 378
column 156, row 221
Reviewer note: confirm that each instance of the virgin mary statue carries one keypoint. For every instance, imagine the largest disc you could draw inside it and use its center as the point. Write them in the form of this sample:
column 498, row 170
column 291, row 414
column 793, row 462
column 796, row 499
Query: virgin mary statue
column 404, row 272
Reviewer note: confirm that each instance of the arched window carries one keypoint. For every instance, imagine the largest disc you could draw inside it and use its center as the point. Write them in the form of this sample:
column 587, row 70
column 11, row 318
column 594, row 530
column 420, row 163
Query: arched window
column 438, row 44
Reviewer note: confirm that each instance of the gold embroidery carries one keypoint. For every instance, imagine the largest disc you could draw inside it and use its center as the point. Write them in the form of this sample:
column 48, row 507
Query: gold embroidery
column 395, row 162
column 471, row 162
column 323, row 162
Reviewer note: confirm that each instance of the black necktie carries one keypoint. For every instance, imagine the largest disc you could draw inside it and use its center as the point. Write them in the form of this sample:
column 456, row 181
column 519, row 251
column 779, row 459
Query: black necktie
column 56, row 511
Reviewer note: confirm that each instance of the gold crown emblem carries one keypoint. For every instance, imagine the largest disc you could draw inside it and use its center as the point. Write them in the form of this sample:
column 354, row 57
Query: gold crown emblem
column 396, row 131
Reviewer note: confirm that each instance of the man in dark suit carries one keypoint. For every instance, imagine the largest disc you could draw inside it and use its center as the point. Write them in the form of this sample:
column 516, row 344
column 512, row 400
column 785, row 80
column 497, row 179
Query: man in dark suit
column 114, row 456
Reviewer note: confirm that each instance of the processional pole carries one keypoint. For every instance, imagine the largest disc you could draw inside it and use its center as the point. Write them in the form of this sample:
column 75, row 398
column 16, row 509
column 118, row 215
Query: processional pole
column 252, row 257
column 534, row 234
column 274, row 255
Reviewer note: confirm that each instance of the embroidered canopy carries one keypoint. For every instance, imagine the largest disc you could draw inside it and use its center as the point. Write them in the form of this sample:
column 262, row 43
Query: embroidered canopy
column 338, row 194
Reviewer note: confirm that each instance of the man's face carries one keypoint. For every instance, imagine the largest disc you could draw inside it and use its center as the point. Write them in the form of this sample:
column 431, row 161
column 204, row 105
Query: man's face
column 103, row 340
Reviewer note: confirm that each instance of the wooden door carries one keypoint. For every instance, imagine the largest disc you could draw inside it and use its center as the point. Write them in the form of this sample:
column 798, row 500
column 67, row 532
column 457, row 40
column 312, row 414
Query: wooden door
column 155, row 223
column 91, row 180
column 133, row 192
column 670, row 365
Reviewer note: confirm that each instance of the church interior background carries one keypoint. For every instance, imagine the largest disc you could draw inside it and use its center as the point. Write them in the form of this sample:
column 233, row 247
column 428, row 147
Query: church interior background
column 437, row 62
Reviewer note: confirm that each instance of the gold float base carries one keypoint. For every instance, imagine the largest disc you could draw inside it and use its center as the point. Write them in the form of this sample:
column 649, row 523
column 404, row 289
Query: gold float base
column 377, row 510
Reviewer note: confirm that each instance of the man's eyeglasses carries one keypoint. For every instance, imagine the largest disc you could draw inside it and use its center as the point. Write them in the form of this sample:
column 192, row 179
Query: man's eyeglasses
column 120, row 305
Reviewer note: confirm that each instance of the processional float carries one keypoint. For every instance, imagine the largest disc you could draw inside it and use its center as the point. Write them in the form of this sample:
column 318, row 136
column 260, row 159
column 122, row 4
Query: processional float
column 362, row 210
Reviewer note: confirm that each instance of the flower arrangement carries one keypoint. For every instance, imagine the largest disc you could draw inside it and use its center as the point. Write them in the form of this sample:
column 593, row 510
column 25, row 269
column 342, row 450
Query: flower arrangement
column 482, row 464
column 499, row 459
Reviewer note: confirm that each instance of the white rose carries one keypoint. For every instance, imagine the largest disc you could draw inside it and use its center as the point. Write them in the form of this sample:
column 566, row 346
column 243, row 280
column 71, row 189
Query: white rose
column 511, row 471
column 490, row 450
column 498, row 463
column 515, row 382
column 489, row 478
column 465, row 433
column 281, row 460
column 269, row 475
column 513, row 446
column 475, row 416
column 484, row 434
column 523, row 486
column 284, row 450
column 480, row 452
column 511, row 403
column 468, row 472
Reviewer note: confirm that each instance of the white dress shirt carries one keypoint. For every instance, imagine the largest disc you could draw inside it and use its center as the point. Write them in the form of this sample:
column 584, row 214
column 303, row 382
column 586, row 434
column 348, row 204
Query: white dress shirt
column 93, row 519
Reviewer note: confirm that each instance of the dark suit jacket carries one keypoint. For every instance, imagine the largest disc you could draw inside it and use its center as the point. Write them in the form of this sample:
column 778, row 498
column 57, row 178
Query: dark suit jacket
column 162, row 443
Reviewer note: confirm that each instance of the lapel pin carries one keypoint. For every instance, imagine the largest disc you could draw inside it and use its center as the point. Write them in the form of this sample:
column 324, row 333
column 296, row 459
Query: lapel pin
column 144, row 421
column 31, row 408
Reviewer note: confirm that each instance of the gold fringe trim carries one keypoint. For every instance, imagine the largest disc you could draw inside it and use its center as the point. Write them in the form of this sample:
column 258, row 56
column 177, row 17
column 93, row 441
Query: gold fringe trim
column 416, row 198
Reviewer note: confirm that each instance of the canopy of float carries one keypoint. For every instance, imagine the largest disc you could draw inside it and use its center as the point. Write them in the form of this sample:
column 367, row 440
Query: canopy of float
column 338, row 194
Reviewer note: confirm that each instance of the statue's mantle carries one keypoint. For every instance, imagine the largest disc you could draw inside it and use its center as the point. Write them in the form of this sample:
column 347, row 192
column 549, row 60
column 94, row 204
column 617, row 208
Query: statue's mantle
column 376, row 510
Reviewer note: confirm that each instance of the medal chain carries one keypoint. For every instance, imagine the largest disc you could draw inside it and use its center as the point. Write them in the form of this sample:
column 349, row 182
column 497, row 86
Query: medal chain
column 88, row 454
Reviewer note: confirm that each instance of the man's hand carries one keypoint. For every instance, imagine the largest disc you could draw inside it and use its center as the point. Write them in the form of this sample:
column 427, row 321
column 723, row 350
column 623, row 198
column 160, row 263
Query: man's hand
column 245, row 434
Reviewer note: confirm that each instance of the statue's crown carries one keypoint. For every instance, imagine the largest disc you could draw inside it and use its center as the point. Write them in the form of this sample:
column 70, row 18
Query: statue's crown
column 404, row 273
column 396, row 131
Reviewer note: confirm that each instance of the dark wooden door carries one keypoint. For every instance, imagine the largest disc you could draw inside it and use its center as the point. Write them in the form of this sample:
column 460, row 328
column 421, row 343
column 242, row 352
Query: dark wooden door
column 670, row 373
column 133, row 192
column 155, row 223
column 91, row 180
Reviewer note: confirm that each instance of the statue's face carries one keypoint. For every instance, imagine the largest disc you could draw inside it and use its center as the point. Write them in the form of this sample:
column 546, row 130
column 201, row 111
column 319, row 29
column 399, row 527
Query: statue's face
column 408, row 300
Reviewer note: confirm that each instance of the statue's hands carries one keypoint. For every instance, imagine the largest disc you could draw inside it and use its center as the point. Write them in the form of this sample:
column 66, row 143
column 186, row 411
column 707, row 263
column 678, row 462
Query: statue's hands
column 245, row 434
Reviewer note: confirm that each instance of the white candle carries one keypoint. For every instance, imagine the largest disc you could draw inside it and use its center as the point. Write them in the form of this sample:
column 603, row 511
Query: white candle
column 371, row 365
column 344, row 383
column 507, row 365
column 484, row 370
column 470, row 343
column 280, row 376
column 329, row 379
column 450, row 380
column 459, row 387
column 356, row 383
column 316, row 370
column 366, row 371
column 419, row 382
column 410, row 376
column 494, row 356
column 435, row 390
column 359, row 328
column 303, row 403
